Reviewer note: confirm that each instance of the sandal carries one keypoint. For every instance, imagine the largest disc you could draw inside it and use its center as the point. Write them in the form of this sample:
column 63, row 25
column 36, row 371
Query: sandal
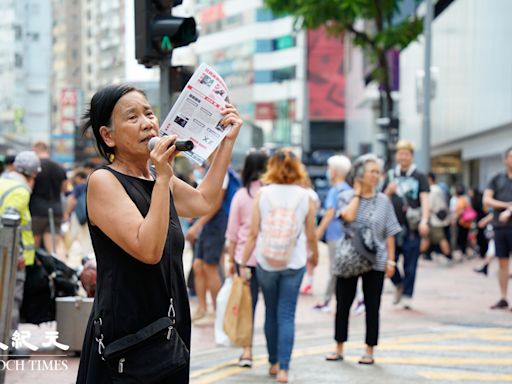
column 366, row 360
column 245, row 362
column 273, row 370
column 282, row 377
column 334, row 357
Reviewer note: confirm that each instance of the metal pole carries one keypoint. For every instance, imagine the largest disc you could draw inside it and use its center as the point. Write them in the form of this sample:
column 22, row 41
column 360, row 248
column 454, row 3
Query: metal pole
column 51, row 220
column 9, row 249
column 306, row 129
column 165, row 87
column 425, row 137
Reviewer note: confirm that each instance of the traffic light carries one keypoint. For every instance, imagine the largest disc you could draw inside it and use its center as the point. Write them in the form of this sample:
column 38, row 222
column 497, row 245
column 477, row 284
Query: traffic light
column 178, row 79
column 158, row 32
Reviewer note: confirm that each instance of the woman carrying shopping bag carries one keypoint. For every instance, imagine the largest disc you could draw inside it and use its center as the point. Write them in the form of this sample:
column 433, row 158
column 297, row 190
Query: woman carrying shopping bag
column 239, row 223
column 371, row 219
column 282, row 230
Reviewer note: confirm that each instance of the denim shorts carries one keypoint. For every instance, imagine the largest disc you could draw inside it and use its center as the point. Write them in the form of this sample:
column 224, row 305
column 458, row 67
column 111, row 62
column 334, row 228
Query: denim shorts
column 210, row 244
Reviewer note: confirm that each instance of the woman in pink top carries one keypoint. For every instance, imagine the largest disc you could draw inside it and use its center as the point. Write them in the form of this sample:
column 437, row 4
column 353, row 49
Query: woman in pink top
column 239, row 224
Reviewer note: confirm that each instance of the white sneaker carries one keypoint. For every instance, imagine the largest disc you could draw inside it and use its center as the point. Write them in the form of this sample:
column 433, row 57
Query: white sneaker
column 359, row 308
column 406, row 302
column 326, row 309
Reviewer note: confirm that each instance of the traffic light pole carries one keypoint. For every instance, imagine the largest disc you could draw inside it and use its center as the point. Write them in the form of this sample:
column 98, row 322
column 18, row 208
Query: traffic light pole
column 425, row 160
column 165, row 87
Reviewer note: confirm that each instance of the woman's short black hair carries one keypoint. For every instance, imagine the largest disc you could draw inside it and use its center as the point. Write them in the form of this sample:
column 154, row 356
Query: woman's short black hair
column 460, row 190
column 255, row 165
column 99, row 113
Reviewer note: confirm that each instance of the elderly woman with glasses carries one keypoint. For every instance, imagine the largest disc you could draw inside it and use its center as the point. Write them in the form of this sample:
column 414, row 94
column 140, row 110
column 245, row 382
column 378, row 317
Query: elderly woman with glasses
column 365, row 206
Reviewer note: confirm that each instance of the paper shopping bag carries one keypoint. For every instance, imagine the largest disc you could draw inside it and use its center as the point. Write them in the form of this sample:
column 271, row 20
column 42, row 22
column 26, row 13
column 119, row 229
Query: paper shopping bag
column 238, row 315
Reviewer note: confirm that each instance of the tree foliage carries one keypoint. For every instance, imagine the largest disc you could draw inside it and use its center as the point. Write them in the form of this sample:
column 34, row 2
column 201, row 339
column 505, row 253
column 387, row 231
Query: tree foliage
column 382, row 30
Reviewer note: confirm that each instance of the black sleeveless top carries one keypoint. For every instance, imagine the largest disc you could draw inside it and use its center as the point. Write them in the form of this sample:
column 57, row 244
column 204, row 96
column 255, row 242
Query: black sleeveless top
column 131, row 294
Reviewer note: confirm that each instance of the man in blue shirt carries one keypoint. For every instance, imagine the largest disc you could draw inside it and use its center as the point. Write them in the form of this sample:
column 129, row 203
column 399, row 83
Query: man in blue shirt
column 338, row 167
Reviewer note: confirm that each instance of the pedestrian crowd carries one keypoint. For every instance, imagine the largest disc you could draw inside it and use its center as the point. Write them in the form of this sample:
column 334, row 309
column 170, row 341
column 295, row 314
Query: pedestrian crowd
column 408, row 215
column 128, row 221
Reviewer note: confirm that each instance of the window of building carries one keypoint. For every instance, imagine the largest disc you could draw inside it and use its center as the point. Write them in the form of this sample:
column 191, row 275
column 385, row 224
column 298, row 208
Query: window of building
column 284, row 42
column 276, row 75
column 282, row 74
column 233, row 21
column 18, row 60
column 264, row 46
column 263, row 77
column 264, row 14
column 17, row 32
column 269, row 45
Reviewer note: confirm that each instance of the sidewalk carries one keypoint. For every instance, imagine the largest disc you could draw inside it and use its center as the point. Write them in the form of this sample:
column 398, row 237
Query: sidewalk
column 450, row 335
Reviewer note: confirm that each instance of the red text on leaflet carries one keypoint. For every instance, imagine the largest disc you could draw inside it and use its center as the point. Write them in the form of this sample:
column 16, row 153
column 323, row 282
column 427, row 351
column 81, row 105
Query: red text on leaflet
column 212, row 101
column 198, row 143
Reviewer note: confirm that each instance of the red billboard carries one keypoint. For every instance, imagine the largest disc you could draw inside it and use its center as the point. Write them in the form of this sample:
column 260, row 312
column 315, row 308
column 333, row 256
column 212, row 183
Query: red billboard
column 326, row 83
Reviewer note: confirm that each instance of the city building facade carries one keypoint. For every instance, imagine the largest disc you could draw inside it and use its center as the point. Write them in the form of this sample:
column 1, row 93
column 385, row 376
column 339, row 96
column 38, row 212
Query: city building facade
column 286, row 82
column 25, row 71
column 471, row 118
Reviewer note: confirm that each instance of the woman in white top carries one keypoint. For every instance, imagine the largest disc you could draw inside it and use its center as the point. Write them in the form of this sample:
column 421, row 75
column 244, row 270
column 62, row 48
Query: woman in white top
column 282, row 230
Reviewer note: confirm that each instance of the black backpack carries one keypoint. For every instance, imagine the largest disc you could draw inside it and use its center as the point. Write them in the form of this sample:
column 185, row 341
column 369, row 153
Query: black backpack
column 45, row 280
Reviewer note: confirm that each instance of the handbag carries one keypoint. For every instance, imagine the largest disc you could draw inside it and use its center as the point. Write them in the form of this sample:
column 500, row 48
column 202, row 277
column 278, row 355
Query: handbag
column 152, row 354
column 467, row 216
column 356, row 251
column 413, row 217
column 442, row 214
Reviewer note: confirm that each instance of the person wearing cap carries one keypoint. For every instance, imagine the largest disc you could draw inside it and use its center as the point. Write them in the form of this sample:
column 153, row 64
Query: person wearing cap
column 15, row 189
column 408, row 189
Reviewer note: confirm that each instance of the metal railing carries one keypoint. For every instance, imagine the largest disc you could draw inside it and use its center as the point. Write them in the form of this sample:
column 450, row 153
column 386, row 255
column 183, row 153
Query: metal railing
column 9, row 250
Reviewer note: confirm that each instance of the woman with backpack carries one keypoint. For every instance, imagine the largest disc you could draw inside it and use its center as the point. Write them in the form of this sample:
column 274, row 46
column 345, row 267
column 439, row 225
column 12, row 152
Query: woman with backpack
column 239, row 223
column 365, row 208
column 282, row 230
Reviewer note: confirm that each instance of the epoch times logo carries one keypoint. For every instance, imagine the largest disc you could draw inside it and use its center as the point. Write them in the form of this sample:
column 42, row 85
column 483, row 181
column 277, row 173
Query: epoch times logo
column 20, row 341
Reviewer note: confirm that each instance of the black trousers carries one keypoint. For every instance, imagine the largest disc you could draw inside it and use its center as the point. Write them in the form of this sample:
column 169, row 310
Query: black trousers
column 373, row 282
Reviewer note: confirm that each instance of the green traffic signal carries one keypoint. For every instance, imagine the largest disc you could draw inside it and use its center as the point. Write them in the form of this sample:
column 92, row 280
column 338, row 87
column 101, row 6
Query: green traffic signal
column 158, row 32
column 166, row 44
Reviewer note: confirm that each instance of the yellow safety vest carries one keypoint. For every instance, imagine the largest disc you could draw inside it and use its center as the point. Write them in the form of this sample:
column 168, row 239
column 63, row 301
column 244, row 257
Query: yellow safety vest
column 16, row 194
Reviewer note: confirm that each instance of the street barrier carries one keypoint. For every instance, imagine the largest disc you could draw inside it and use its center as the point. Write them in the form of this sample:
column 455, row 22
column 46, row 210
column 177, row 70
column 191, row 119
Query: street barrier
column 9, row 250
